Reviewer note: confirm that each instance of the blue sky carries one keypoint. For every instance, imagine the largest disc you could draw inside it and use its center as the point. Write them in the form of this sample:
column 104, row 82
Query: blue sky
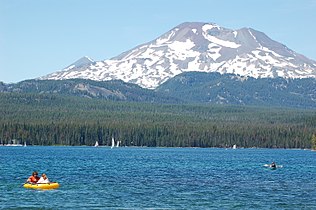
column 38, row 37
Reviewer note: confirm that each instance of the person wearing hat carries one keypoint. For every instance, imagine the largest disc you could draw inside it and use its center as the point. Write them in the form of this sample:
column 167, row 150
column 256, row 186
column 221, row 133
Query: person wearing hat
column 34, row 178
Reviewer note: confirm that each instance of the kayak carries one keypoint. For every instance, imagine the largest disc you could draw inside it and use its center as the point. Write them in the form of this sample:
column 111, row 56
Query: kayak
column 46, row 186
column 272, row 168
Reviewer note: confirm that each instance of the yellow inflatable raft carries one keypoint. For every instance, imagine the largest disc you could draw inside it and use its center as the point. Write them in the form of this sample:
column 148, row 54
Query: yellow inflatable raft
column 48, row 186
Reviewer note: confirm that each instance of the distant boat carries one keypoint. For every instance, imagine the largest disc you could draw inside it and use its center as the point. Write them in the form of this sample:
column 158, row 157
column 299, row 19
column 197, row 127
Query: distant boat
column 272, row 167
column 24, row 144
column 113, row 143
column 118, row 144
column 234, row 146
column 14, row 143
column 96, row 144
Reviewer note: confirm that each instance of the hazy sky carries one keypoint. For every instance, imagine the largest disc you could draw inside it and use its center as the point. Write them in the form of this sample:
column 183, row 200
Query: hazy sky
column 38, row 37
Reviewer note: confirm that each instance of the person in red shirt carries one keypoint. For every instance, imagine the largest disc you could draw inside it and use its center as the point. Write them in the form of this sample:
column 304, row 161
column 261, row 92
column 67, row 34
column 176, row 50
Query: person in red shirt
column 34, row 178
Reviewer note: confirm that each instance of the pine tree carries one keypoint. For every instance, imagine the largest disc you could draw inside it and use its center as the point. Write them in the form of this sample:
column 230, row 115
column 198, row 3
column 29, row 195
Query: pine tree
column 314, row 142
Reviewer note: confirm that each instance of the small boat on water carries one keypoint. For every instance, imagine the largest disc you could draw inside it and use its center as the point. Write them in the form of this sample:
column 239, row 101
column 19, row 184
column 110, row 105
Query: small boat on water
column 272, row 167
column 41, row 186
column 96, row 144
column 13, row 145
column 113, row 143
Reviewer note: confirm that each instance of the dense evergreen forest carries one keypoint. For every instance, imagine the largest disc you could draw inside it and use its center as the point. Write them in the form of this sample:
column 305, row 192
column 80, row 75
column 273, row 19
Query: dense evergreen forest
column 48, row 119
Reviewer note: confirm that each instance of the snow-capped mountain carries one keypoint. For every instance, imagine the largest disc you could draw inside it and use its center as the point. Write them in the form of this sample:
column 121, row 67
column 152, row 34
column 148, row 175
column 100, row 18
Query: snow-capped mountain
column 195, row 46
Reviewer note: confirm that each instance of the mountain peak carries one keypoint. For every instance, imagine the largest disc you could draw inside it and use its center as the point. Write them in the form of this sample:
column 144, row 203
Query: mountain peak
column 194, row 24
column 196, row 46
column 84, row 61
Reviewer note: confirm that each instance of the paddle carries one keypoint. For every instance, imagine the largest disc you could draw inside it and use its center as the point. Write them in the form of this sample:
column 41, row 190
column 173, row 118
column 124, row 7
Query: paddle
column 26, row 183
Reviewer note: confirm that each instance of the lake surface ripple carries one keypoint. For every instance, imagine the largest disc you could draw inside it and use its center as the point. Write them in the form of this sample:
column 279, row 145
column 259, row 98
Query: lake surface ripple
column 158, row 178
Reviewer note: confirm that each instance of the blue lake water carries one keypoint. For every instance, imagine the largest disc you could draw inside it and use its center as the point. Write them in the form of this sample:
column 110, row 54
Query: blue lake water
column 158, row 178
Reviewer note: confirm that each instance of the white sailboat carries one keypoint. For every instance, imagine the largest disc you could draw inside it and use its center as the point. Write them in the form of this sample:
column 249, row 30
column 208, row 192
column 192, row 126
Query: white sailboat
column 118, row 144
column 24, row 144
column 113, row 143
column 234, row 146
column 96, row 144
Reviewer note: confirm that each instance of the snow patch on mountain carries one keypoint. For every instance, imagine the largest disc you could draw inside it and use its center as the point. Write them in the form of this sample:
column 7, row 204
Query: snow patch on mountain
column 195, row 46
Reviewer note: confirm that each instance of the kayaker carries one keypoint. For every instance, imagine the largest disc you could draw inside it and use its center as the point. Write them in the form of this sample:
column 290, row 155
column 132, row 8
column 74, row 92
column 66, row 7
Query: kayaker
column 43, row 179
column 273, row 165
column 34, row 178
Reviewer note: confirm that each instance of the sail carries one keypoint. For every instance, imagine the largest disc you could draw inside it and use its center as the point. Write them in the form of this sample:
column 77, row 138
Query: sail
column 234, row 146
column 113, row 143
column 96, row 144
column 118, row 144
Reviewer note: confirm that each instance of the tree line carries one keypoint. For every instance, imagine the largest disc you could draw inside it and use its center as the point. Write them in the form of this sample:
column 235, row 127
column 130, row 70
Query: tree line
column 48, row 119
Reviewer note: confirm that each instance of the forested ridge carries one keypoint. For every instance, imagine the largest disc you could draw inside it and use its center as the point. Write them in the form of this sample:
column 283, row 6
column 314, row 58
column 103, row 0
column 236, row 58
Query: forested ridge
column 219, row 88
column 185, row 88
column 49, row 119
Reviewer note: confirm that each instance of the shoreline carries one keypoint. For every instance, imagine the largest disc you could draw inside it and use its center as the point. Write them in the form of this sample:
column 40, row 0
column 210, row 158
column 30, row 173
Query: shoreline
column 226, row 148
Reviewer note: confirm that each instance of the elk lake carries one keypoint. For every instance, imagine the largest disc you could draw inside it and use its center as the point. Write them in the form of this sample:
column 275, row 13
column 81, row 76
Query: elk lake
column 158, row 178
